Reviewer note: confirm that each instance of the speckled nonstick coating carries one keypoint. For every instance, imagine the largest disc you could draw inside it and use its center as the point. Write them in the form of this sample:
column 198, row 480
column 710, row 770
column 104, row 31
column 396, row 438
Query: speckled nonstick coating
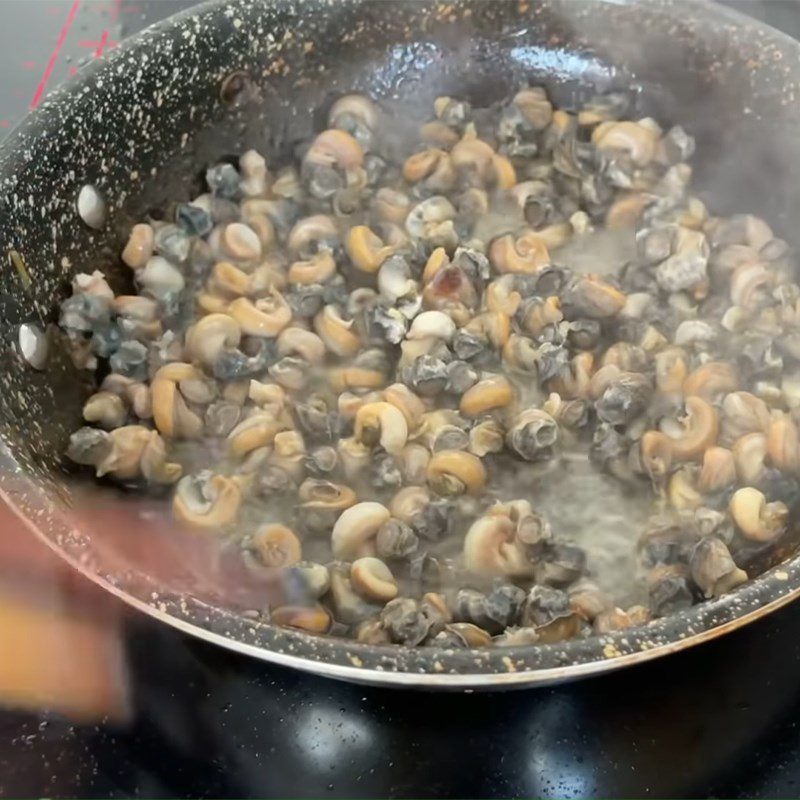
column 141, row 124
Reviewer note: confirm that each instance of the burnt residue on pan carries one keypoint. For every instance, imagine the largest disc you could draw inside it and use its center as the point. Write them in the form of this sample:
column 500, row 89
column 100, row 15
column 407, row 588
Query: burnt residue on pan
column 229, row 76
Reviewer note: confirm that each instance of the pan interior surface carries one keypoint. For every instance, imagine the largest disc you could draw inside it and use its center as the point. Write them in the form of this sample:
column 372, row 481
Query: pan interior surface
column 230, row 76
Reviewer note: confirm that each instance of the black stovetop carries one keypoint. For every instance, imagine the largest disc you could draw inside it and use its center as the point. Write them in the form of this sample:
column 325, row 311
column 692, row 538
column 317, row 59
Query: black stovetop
column 719, row 720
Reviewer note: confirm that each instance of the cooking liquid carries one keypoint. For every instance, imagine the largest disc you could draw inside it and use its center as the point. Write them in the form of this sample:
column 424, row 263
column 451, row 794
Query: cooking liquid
column 596, row 512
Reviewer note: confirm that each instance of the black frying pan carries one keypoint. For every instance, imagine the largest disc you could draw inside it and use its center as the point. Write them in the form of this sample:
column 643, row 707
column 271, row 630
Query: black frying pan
column 229, row 76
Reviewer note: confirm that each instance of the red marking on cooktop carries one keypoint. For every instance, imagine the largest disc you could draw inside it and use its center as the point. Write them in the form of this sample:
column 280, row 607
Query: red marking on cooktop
column 103, row 44
column 73, row 71
column 4, row 123
column 116, row 7
column 48, row 70
column 29, row 64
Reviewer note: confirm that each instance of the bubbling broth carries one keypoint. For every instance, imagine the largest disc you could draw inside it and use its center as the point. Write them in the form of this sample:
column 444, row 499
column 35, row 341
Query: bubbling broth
column 598, row 513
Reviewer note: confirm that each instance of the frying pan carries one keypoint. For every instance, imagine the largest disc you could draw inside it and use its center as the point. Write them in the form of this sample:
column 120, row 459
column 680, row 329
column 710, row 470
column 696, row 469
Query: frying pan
column 227, row 76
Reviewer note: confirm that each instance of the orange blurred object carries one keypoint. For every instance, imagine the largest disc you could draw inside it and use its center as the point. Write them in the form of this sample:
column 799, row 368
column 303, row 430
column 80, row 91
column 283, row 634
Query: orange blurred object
column 60, row 640
column 61, row 646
